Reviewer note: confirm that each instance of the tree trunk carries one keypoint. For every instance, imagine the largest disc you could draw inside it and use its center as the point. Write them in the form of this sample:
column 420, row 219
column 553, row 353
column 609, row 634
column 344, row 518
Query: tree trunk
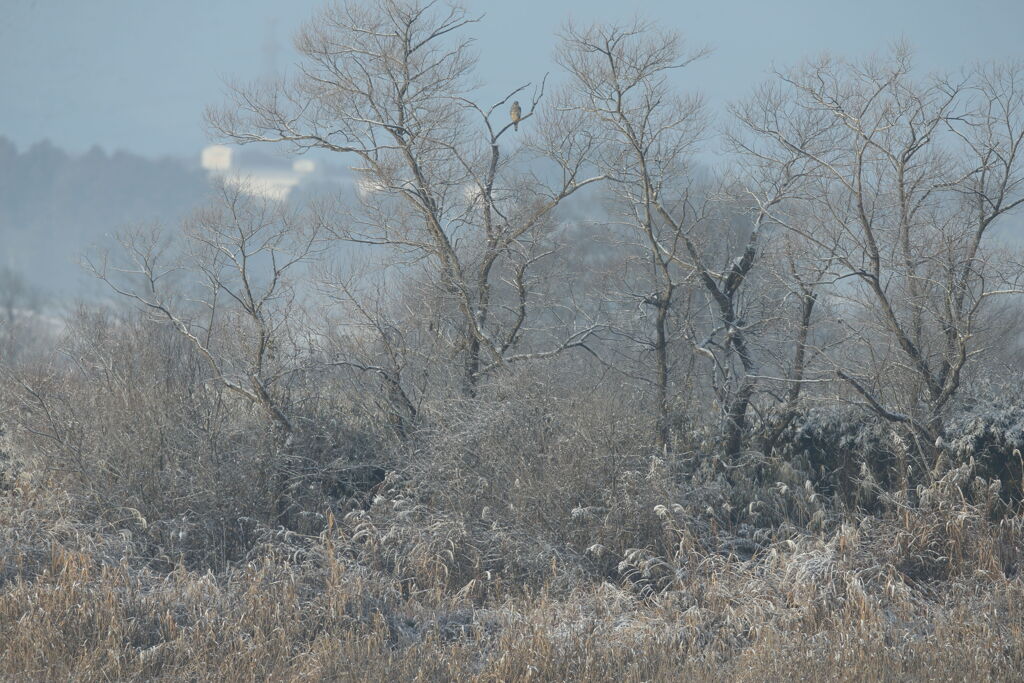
column 661, row 362
column 471, row 373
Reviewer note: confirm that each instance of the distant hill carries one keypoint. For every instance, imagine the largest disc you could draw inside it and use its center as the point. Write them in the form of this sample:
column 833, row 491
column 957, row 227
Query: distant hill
column 54, row 205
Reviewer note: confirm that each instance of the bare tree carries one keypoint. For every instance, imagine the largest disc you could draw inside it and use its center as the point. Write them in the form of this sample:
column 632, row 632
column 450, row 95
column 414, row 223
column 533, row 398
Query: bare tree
column 906, row 178
column 646, row 137
column 388, row 86
column 240, row 257
column 793, row 344
column 231, row 292
column 364, row 335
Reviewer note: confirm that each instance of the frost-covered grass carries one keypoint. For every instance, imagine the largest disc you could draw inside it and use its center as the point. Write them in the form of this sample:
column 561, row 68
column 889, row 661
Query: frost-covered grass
column 406, row 591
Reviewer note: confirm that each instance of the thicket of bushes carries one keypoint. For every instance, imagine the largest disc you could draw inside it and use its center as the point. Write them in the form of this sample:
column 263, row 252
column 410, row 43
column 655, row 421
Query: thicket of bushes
column 527, row 532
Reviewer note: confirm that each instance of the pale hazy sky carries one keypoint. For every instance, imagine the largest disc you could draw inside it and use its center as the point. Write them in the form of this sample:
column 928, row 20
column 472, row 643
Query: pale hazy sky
column 136, row 74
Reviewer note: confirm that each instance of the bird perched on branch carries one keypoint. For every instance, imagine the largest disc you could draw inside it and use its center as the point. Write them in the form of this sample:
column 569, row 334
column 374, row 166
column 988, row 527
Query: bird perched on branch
column 516, row 113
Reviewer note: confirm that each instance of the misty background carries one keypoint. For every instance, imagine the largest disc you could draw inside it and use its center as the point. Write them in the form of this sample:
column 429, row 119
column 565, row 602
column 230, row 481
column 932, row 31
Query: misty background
column 101, row 114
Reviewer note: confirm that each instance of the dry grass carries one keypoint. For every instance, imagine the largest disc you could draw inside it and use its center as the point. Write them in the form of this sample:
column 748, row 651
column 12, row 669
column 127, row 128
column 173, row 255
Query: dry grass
column 930, row 592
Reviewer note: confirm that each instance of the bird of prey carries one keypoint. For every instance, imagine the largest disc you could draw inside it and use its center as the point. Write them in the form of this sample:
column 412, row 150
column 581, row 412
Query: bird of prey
column 516, row 113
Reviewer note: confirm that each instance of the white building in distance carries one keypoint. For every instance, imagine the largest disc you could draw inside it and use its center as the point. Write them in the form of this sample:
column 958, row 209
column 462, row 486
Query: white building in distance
column 270, row 181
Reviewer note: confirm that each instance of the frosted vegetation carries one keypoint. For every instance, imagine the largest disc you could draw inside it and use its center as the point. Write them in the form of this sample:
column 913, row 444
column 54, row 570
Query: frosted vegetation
column 543, row 398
